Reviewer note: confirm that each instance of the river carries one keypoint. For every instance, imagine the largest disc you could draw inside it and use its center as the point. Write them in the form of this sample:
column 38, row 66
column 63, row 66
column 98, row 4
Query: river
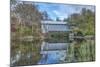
column 49, row 53
column 39, row 53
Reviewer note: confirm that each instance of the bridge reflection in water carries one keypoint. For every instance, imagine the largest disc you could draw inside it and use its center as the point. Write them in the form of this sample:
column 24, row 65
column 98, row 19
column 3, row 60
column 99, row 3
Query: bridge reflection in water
column 53, row 53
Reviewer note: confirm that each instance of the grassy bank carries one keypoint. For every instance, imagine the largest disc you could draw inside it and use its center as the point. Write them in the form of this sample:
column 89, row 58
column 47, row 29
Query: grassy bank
column 80, row 52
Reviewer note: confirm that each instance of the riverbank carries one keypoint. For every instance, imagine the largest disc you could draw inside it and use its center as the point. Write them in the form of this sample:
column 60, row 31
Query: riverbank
column 81, row 52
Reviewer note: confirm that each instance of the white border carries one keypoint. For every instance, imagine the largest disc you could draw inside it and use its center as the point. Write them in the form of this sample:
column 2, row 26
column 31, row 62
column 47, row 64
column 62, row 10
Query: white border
column 5, row 33
column 89, row 2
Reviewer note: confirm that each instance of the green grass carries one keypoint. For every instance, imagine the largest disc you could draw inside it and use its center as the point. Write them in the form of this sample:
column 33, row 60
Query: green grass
column 80, row 52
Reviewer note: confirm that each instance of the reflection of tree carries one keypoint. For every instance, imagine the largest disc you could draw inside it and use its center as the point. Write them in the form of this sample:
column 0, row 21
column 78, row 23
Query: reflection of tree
column 29, row 52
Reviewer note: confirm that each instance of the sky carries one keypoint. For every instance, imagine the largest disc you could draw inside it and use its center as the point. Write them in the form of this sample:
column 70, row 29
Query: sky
column 61, row 11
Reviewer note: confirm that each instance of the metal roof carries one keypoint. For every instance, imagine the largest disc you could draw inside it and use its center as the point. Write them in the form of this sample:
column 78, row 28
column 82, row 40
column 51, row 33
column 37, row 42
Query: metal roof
column 53, row 22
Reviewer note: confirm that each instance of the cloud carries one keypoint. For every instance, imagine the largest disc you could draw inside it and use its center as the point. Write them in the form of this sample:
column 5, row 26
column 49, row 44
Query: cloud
column 56, row 12
column 60, row 14
column 61, row 10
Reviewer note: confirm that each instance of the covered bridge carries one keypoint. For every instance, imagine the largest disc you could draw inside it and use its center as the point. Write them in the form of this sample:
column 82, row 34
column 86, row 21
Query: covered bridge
column 48, row 26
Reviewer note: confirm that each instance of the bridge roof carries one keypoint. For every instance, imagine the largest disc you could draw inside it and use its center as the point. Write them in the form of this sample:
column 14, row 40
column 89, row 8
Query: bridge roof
column 53, row 22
